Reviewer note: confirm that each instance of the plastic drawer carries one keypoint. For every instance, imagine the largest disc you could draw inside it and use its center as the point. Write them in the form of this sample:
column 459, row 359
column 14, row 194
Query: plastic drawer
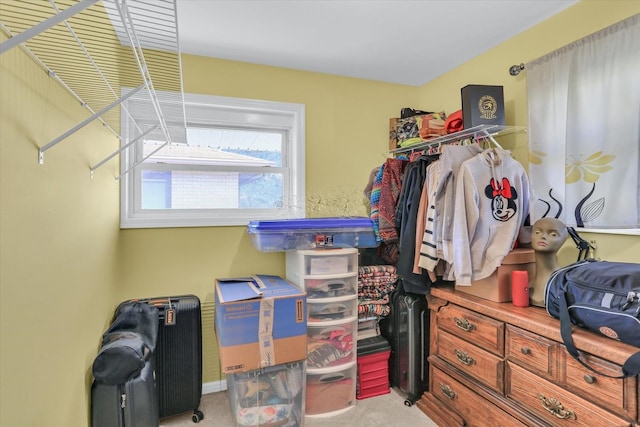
column 321, row 264
column 331, row 343
column 327, row 309
column 366, row 391
column 332, row 286
column 373, row 370
column 331, row 391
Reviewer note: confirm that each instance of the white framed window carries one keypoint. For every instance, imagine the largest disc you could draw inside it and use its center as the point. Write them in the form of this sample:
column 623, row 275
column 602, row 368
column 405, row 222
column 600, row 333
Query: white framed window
column 239, row 160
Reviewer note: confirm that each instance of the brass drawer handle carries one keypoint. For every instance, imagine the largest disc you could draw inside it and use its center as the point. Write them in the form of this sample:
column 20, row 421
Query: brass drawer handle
column 525, row 350
column 555, row 407
column 446, row 390
column 464, row 357
column 464, row 324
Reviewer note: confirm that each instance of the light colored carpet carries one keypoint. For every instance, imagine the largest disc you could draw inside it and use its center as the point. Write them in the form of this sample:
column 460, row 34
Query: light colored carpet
column 387, row 410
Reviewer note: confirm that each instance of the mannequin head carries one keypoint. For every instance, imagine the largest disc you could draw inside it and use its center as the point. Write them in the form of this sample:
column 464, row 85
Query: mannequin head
column 548, row 235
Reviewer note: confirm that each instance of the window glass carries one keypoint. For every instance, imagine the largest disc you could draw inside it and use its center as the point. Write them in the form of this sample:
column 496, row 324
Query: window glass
column 233, row 165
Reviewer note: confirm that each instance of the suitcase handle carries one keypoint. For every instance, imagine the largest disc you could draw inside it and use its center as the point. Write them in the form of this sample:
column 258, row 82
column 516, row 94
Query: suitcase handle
column 156, row 302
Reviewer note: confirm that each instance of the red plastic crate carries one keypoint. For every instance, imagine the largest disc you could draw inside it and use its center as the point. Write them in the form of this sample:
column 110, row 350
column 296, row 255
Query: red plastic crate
column 381, row 356
column 373, row 391
column 366, row 377
column 373, row 375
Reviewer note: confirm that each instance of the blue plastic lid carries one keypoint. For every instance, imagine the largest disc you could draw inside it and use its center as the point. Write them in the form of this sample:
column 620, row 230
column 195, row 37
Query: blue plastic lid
column 310, row 223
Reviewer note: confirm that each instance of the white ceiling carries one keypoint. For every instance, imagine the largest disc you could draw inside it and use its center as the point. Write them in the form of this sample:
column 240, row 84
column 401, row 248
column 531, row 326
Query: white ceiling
column 399, row 41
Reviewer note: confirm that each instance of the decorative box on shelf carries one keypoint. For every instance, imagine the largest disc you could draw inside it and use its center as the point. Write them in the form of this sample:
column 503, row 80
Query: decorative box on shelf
column 482, row 105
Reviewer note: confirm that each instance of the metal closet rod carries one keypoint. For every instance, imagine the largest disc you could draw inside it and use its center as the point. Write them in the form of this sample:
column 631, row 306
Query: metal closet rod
column 514, row 70
column 124, row 147
column 135, row 165
column 85, row 122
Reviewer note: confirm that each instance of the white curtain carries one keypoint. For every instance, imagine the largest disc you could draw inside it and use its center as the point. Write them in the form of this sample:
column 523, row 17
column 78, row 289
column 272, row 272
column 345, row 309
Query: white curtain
column 584, row 130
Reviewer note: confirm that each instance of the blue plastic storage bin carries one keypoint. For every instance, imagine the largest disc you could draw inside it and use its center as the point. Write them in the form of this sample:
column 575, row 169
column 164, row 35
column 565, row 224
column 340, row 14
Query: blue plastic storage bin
column 312, row 233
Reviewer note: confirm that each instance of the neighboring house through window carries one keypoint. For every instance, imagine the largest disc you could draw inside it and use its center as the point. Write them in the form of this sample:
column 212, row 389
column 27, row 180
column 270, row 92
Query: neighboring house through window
column 238, row 160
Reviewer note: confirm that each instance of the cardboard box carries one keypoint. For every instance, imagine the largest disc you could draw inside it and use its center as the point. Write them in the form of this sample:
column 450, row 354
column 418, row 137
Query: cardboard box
column 260, row 321
column 482, row 105
column 497, row 287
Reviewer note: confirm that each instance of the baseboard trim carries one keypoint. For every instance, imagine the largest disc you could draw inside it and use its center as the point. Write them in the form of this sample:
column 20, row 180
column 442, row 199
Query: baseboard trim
column 214, row 387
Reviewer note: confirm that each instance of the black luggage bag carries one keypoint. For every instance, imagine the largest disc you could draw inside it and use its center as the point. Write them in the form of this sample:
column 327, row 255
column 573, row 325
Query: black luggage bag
column 178, row 354
column 601, row 296
column 131, row 404
column 408, row 334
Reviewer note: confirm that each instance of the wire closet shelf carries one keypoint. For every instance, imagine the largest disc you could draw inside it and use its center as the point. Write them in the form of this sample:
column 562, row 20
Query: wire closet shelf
column 476, row 133
column 105, row 53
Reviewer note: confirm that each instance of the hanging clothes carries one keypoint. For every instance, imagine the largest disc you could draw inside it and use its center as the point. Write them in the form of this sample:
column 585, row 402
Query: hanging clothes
column 405, row 221
column 420, row 221
column 450, row 161
column 491, row 206
column 427, row 253
column 390, row 189
column 385, row 191
column 372, row 191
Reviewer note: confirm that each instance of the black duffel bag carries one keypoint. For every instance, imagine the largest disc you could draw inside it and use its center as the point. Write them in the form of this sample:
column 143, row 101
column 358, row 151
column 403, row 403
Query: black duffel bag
column 601, row 296
column 127, row 344
column 138, row 317
column 120, row 359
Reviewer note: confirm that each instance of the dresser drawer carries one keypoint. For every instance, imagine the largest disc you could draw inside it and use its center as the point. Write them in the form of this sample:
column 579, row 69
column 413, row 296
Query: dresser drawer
column 616, row 394
column 481, row 330
column 534, row 352
column 475, row 362
column 559, row 407
column 475, row 410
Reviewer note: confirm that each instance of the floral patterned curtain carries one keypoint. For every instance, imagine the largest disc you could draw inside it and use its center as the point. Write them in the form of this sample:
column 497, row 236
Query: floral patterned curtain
column 584, row 130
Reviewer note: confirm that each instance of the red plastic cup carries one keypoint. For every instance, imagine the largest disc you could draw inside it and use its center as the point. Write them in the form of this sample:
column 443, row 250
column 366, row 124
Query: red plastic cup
column 520, row 288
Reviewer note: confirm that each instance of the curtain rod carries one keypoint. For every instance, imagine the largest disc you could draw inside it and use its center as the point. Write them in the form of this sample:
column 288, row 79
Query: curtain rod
column 514, row 70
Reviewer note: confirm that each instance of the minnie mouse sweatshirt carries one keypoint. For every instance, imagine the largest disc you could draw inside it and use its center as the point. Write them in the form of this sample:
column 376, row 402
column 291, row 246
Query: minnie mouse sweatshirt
column 491, row 205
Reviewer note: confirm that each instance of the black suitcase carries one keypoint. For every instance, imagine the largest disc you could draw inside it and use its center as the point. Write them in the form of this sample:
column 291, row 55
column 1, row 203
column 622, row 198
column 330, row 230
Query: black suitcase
column 178, row 354
column 408, row 335
column 132, row 404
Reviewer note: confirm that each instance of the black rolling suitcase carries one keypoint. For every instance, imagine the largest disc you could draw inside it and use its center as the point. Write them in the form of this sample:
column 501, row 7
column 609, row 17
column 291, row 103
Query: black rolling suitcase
column 124, row 393
column 408, row 334
column 131, row 404
column 178, row 354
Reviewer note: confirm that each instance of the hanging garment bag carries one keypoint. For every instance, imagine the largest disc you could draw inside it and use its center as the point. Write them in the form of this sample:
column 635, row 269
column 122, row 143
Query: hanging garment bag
column 600, row 296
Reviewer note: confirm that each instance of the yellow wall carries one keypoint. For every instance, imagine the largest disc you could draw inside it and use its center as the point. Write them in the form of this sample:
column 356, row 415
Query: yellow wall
column 65, row 264
column 59, row 249
column 492, row 68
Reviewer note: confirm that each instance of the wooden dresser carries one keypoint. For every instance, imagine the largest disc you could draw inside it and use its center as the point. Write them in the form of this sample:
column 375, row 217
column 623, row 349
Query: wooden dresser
column 494, row 364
